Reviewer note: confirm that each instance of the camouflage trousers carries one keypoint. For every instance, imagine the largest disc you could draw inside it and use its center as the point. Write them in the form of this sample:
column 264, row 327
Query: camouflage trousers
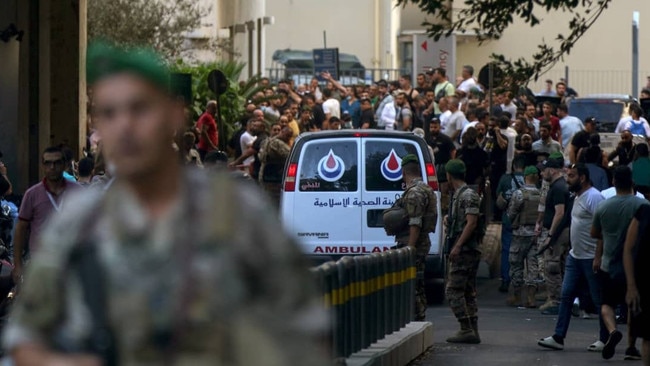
column 273, row 191
column 554, row 259
column 523, row 255
column 420, row 295
column 461, row 284
column 420, row 261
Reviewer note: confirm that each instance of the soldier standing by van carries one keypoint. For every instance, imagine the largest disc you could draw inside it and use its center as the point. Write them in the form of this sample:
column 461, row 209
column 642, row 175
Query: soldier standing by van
column 464, row 255
column 420, row 204
column 522, row 212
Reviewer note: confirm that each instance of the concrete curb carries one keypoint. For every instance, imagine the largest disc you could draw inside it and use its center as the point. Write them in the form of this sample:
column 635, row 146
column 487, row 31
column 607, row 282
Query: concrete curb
column 398, row 348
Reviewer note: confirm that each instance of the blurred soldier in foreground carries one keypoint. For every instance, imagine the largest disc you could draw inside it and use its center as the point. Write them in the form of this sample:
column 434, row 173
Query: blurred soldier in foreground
column 167, row 266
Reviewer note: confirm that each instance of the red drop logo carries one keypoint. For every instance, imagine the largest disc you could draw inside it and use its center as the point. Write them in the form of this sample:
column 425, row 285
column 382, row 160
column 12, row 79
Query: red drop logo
column 393, row 164
column 391, row 167
column 331, row 163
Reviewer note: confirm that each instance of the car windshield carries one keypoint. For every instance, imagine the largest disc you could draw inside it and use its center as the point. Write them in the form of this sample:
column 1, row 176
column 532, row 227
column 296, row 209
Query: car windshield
column 603, row 110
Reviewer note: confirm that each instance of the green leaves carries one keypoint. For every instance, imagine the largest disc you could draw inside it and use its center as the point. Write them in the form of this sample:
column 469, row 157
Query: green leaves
column 490, row 18
column 159, row 24
column 232, row 102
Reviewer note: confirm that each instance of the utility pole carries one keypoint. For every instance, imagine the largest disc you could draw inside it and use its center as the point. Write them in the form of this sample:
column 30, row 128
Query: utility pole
column 635, row 54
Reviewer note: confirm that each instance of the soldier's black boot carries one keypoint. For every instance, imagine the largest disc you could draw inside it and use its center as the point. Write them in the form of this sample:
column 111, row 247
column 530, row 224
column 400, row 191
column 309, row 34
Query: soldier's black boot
column 466, row 334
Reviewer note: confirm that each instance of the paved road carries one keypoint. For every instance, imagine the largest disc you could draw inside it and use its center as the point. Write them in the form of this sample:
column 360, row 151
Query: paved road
column 509, row 337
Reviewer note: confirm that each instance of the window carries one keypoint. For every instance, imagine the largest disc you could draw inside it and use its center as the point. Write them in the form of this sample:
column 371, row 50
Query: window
column 383, row 169
column 327, row 166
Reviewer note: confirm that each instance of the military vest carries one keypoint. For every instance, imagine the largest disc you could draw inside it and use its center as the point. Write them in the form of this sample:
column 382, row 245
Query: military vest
column 529, row 212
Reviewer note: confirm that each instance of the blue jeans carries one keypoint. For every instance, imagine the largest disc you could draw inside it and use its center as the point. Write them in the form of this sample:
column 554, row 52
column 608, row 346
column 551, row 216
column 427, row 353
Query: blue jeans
column 578, row 271
column 506, row 240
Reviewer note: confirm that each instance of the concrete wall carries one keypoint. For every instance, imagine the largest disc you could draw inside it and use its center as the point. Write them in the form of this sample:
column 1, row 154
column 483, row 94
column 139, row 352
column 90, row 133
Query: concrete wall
column 9, row 83
column 40, row 83
column 600, row 62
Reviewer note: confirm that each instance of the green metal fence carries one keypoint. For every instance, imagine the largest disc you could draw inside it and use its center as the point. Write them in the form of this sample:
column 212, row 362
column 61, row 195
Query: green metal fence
column 369, row 297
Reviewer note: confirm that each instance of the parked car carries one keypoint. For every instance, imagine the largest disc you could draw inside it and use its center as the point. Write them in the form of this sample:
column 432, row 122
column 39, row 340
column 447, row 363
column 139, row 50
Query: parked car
column 608, row 109
column 337, row 185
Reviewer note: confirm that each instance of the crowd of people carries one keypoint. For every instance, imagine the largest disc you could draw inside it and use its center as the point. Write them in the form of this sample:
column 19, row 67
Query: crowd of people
column 578, row 229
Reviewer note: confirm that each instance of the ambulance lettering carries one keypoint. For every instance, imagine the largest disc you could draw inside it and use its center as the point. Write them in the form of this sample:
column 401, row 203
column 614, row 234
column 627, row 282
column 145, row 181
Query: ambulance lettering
column 349, row 250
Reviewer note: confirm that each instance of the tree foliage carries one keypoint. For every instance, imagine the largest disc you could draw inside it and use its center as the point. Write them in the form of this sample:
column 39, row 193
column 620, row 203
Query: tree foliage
column 160, row 24
column 232, row 102
column 488, row 19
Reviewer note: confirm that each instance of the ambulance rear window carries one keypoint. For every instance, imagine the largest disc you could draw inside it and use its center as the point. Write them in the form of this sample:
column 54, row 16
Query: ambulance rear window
column 383, row 163
column 329, row 166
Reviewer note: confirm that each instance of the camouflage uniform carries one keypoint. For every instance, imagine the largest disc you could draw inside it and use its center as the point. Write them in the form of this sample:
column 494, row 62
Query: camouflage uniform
column 523, row 249
column 418, row 200
column 215, row 263
column 273, row 154
column 461, row 279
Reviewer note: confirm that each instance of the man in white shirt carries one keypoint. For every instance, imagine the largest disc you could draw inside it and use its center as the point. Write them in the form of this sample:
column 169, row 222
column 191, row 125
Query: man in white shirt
column 530, row 117
column 468, row 79
column 569, row 125
column 385, row 99
column 445, row 113
column 456, row 121
column 635, row 123
column 508, row 105
column 331, row 106
column 511, row 134
column 246, row 141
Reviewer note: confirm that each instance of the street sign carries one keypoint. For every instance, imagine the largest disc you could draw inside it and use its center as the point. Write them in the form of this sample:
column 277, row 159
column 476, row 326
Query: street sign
column 217, row 82
column 429, row 54
column 326, row 59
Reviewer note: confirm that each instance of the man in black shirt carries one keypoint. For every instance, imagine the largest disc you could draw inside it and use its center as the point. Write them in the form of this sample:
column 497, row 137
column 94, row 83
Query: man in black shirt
column 318, row 116
column 555, row 254
column 367, row 115
column 625, row 149
column 497, row 148
column 443, row 151
column 477, row 161
column 581, row 139
column 525, row 149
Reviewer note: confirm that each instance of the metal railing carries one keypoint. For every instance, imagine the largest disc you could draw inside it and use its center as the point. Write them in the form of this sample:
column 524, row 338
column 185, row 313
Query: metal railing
column 346, row 77
column 593, row 81
column 368, row 296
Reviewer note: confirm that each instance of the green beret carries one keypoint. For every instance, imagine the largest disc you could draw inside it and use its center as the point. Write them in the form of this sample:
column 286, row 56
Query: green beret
column 556, row 155
column 104, row 59
column 455, row 166
column 530, row 170
column 410, row 158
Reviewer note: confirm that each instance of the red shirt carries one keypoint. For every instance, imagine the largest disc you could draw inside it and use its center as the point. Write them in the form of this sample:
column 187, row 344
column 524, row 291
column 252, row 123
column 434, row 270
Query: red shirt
column 555, row 129
column 207, row 120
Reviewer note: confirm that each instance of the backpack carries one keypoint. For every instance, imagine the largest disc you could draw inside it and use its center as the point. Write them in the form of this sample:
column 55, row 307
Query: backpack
column 637, row 128
column 529, row 213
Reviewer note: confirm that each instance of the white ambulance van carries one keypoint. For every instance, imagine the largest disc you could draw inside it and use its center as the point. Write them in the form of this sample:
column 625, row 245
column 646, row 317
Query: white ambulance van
column 337, row 185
